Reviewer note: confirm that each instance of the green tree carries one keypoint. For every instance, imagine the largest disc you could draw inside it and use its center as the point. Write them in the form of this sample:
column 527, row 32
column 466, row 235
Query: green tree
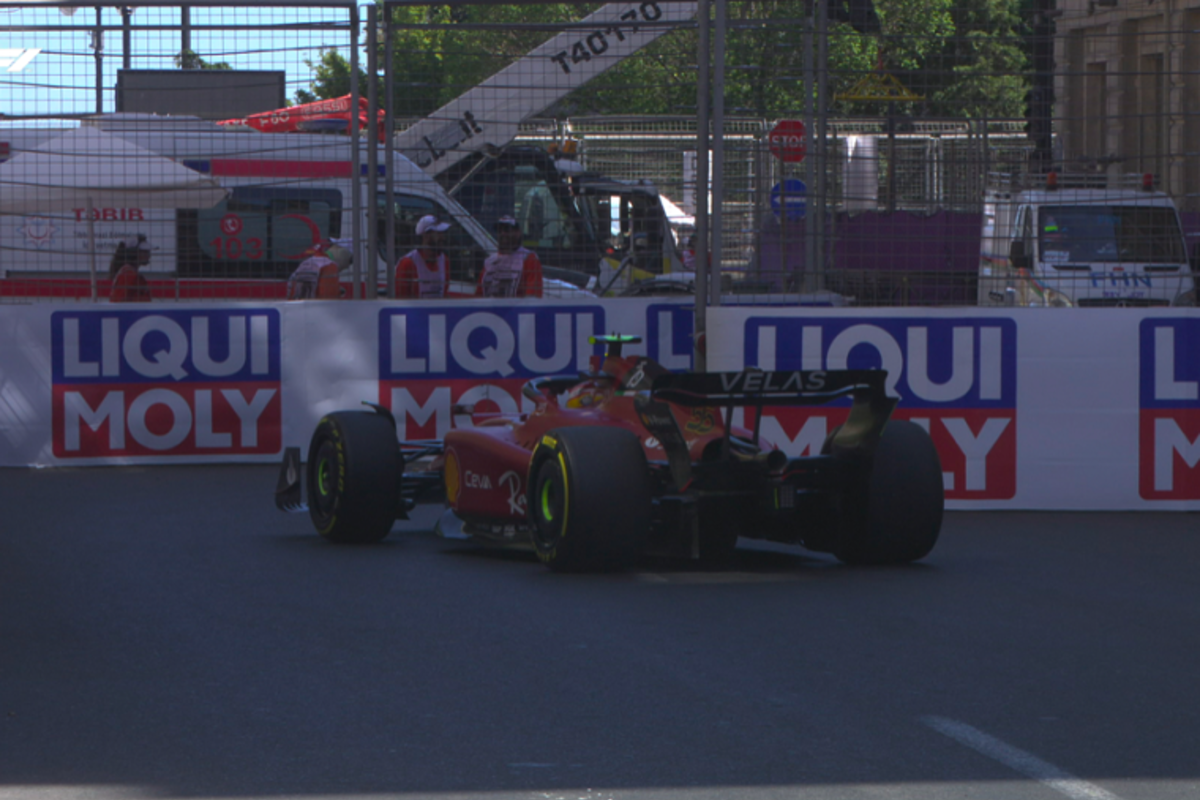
column 985, row 63
column 442, row 51
column 188, row 59
column 963, row 57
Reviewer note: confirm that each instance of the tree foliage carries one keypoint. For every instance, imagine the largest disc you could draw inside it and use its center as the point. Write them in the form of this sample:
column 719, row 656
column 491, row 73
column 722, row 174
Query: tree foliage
column 964, row 58
column 188, row 59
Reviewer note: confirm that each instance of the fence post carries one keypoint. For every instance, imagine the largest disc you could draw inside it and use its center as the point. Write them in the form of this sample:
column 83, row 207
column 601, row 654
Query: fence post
column 372, row 39
column 389, row 135
column 816, row 205
column 700, row 327
column 355, row 168
column 718, row 163
column 98, row 48
column 810, row 146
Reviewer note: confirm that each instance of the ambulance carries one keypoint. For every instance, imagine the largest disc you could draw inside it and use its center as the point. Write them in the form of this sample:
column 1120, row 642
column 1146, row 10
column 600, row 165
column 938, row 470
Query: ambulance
column 286, row 193
column 1082, row 241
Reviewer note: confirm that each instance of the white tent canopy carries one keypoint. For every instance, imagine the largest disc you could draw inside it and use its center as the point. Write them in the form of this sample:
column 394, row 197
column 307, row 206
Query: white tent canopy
column 88, row 166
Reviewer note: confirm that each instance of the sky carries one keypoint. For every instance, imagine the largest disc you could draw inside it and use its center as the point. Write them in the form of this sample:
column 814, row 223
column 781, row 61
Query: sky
column 61, row 78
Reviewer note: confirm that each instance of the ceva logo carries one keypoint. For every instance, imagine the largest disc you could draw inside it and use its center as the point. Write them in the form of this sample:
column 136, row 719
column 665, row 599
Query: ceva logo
column 433, row 360
column 957, row 378
column 136, row 383
column 1169, row 409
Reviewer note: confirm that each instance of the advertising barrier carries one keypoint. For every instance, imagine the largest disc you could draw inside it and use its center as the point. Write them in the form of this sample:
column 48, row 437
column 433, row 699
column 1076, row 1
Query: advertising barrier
column 956, row 377
column 1029, row 409
column 176, row 382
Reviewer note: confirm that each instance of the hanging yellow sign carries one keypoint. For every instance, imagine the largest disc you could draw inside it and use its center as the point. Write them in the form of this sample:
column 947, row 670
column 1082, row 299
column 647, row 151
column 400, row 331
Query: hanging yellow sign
column 878, row 87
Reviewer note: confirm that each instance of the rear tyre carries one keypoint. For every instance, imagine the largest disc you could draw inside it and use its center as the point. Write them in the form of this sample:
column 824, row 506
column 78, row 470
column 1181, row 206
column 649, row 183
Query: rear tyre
column 898, row 517
column 590, row 501
column 354, row 469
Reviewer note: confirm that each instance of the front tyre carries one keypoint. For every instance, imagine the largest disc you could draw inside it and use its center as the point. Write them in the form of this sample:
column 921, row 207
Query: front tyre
column 898, row 517
column 589, row 501
column 354, row 469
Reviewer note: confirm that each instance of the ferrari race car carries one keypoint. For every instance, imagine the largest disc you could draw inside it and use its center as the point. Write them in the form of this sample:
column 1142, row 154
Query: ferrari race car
column 630, row 458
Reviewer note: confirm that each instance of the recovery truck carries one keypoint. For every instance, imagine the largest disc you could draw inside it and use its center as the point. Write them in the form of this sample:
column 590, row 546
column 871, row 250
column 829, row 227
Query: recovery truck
column 1082, row 241
column 611, row 231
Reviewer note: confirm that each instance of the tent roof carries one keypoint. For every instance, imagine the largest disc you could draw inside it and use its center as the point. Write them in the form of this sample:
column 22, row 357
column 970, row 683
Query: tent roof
column 88, row 165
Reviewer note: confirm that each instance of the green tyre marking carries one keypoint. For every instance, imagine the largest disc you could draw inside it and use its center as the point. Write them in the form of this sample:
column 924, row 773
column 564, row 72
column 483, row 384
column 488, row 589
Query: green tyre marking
column 566, row 492
column 323, row 476
column 547, row 511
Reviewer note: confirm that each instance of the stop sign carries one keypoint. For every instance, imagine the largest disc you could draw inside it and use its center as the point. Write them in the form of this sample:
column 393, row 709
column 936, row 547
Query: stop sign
column 786, row 141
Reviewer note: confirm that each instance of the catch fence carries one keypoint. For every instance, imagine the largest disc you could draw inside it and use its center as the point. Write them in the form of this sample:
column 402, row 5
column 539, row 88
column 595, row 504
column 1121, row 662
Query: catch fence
column 581, row 126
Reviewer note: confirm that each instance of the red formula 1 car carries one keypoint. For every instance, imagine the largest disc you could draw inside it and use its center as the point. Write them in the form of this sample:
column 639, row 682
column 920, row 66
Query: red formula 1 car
column 631, row 458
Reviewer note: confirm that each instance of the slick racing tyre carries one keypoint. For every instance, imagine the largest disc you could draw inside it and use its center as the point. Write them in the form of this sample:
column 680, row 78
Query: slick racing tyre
column 899, row 515
column 589, row 500
column 354, row 469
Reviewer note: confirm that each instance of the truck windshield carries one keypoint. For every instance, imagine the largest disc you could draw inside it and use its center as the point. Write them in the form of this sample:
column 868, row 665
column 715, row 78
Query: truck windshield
column 620, row 218
column 1118, row 234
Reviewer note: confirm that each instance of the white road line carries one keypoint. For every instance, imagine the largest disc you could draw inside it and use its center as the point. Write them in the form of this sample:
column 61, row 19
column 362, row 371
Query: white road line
column 1014, row 758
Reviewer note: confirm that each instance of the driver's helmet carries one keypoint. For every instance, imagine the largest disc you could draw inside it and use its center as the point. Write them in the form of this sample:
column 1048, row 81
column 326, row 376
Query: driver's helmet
column 586, row 395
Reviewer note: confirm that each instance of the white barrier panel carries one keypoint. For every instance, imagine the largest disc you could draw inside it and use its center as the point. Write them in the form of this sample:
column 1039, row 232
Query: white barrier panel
column 87, row 384
column 1032, row 409
column 1084, row 409
column 99, row 384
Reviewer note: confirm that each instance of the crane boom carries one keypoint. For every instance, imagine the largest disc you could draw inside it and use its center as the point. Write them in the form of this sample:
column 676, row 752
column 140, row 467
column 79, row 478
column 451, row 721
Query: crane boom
column 489, row 115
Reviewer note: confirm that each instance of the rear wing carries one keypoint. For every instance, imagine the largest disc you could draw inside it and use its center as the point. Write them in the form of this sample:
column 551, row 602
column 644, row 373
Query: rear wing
column 870, row 408
column 756, row 387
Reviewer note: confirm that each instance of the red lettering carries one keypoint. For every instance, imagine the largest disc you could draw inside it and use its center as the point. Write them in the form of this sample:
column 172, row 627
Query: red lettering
column 112, row 214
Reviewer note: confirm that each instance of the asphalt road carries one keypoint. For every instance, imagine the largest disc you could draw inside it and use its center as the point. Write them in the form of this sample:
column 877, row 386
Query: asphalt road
column 166, row 633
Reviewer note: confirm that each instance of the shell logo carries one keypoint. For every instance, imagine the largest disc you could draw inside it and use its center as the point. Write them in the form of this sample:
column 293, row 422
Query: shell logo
column 451, row 474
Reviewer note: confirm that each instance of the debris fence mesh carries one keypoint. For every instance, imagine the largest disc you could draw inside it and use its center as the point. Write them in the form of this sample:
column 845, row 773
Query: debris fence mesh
column 583, row 123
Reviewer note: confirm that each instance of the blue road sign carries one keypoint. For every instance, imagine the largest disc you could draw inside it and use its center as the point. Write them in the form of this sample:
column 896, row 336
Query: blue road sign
column 789, row 194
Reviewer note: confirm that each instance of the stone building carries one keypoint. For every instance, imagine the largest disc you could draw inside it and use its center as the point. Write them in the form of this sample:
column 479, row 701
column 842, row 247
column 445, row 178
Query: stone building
column 1127, row 88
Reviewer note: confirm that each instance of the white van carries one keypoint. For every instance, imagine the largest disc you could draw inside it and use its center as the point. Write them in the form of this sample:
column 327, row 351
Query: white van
column 1082, row 243
column 286, row 192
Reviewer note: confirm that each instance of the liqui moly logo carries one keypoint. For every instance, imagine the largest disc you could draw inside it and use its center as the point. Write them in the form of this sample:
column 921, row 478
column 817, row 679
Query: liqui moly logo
column 431, row 360
column 1169, row 409
column 957, row 378
column 165, row 383
column 669, row 331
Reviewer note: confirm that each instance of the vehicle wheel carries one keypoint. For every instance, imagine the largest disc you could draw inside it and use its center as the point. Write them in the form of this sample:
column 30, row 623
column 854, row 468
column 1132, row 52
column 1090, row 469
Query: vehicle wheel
column 354, row 469
column 899, row 515
column 590, row 499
